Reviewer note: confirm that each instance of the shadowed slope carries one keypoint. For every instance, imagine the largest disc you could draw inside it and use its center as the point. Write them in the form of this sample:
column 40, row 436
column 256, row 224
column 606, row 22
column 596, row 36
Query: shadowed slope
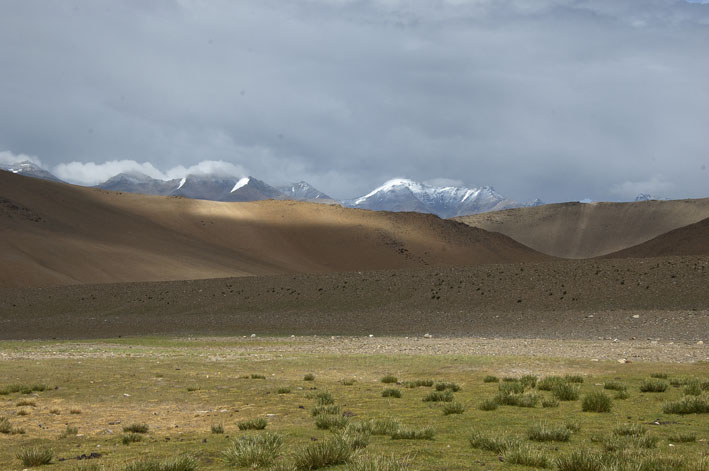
column 577, row 230
column 689, row 240
column 54, row 233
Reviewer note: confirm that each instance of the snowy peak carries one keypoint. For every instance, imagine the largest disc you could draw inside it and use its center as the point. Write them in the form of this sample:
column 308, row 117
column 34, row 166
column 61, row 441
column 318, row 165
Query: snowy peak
column 402, row 194
column 29, row 169
column 303, row 191
column 136, row 182
column 251, row 189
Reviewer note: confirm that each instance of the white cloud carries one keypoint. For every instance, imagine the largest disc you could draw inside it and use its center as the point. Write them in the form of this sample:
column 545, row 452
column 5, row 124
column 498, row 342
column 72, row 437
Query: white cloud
column 8, row 158
column 656, row 186
column 92, row 173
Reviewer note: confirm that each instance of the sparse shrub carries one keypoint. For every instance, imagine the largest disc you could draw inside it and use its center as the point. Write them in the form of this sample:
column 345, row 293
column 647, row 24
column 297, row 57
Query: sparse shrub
column 23, row 412
column 257, row 376
column 409, row 433
column 75, row 411
column 348, row 381
column 683, row 437
column 526, row 456
column 26, row 390
column 69, row 432
column 284, row 390
column 136, row 428
column 453, row 408
column 309, row 377
column 391, row 393
column 330, row 452
column 217, row 428
column 193, row 388
column 495, row 444
column 330, row 421
column 614, row 386
column 528, row 381
column 26, row 402
column 488, row 405
column 688, row 405
column 35, row 456
column 518, row 400
column 546, row 433
column 573, row 379
column 596, row 402
column 548, row 403
column 253, row 424
column 565, row 392
column 622, row 395
column 55, row 411
column 330, row 409
column 650, row 385
column 629, row 430
column 659, row 375
column 509, row 379
column 491, row 379
column 324, row 398
column 439, row 396
column 129, row 438
column 581, row 460
column 548, row 382
column 614, row 443
column 511, row 387
column 253, row 450
column 355, row 437
column 453, row 387
column 379, row 463
column 389, row 379
column 385, row 426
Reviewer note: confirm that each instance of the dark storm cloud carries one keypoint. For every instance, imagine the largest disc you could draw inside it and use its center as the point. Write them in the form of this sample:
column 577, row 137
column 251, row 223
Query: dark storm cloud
column 558, row 99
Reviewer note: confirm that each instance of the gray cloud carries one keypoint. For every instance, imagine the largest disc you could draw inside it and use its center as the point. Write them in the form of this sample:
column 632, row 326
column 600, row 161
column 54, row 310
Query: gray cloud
column 557, row 99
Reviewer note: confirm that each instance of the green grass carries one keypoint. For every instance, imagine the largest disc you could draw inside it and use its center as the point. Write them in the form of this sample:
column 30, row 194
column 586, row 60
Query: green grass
column 548, row 382
column 132, row 437
column 330, row 421
column 488, row 405
column 332, row 451
column 412, row 433
column 491, row 379
column 146, row 383
column 217, row 429
column 451, row 408
column 439, row 396
column 283, row 390
column 453, row 387
column 309, row 377
column 614, row 386
column 179, row 463
column 688, row 405
column 389, row 379
column 565, row 392
column 324, row 398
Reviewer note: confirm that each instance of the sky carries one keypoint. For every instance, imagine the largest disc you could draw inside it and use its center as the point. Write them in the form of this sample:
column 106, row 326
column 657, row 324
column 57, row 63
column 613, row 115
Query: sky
column 561, row 100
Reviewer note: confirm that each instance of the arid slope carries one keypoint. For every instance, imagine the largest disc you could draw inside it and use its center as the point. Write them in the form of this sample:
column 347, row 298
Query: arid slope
column 577, row 230
column 54, row 234
column 688, row 240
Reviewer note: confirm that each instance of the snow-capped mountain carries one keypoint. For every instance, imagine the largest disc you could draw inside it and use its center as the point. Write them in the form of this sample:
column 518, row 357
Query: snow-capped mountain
column 251, row 189
column 408, row 195
column 303, row 191
column 30, row 169
column 136, row 182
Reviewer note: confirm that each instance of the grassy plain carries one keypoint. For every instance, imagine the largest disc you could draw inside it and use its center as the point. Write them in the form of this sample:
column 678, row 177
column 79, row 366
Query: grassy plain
column 184, row 388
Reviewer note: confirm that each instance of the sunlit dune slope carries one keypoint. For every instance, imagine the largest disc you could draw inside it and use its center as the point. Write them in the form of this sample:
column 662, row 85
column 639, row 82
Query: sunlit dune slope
column 577, row 230
column 53, row 233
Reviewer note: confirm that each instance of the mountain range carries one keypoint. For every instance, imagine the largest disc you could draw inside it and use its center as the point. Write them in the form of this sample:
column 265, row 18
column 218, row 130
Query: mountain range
column 395, row 195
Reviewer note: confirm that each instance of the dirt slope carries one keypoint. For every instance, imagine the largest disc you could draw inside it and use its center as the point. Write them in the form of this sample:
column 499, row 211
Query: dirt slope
column 53, row 233
column 689, row 240
column 577, row 230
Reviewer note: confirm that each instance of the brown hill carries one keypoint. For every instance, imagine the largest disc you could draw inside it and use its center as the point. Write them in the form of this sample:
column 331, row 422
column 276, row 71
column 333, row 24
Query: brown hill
column 577, row 230
column 54, row 233
column 689, row 240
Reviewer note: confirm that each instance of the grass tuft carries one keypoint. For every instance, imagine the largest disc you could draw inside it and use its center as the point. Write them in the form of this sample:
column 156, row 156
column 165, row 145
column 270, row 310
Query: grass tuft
column 548, row 403
column 614, row 386
column 410, row 433
column 129, row 438
column 283, row 390
column 389, row 379
column 379, row 463
column 548, row 382
column 581, row 460
column 688, row 405
column 439, row 396
column 629, row 430
column 391, row 393
column 69, row 432
column 329, row 409
column 348, row 381
column 453, row 387
column 491, row 379
column 578, row 379
column 596, row 402
column 330, row 421
column 309, row 377
column 453, row 408
column 136, row 428
column 489, row 443
column 35, row 456
column 488, row 405
column 324, row 398
column 565, row 392
column 525, row 455
column 652, row 385
column 546, row 433
column 251, row 451
column 330, row 452
column 688, row 437
column 217, row 429
column 253, row 424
